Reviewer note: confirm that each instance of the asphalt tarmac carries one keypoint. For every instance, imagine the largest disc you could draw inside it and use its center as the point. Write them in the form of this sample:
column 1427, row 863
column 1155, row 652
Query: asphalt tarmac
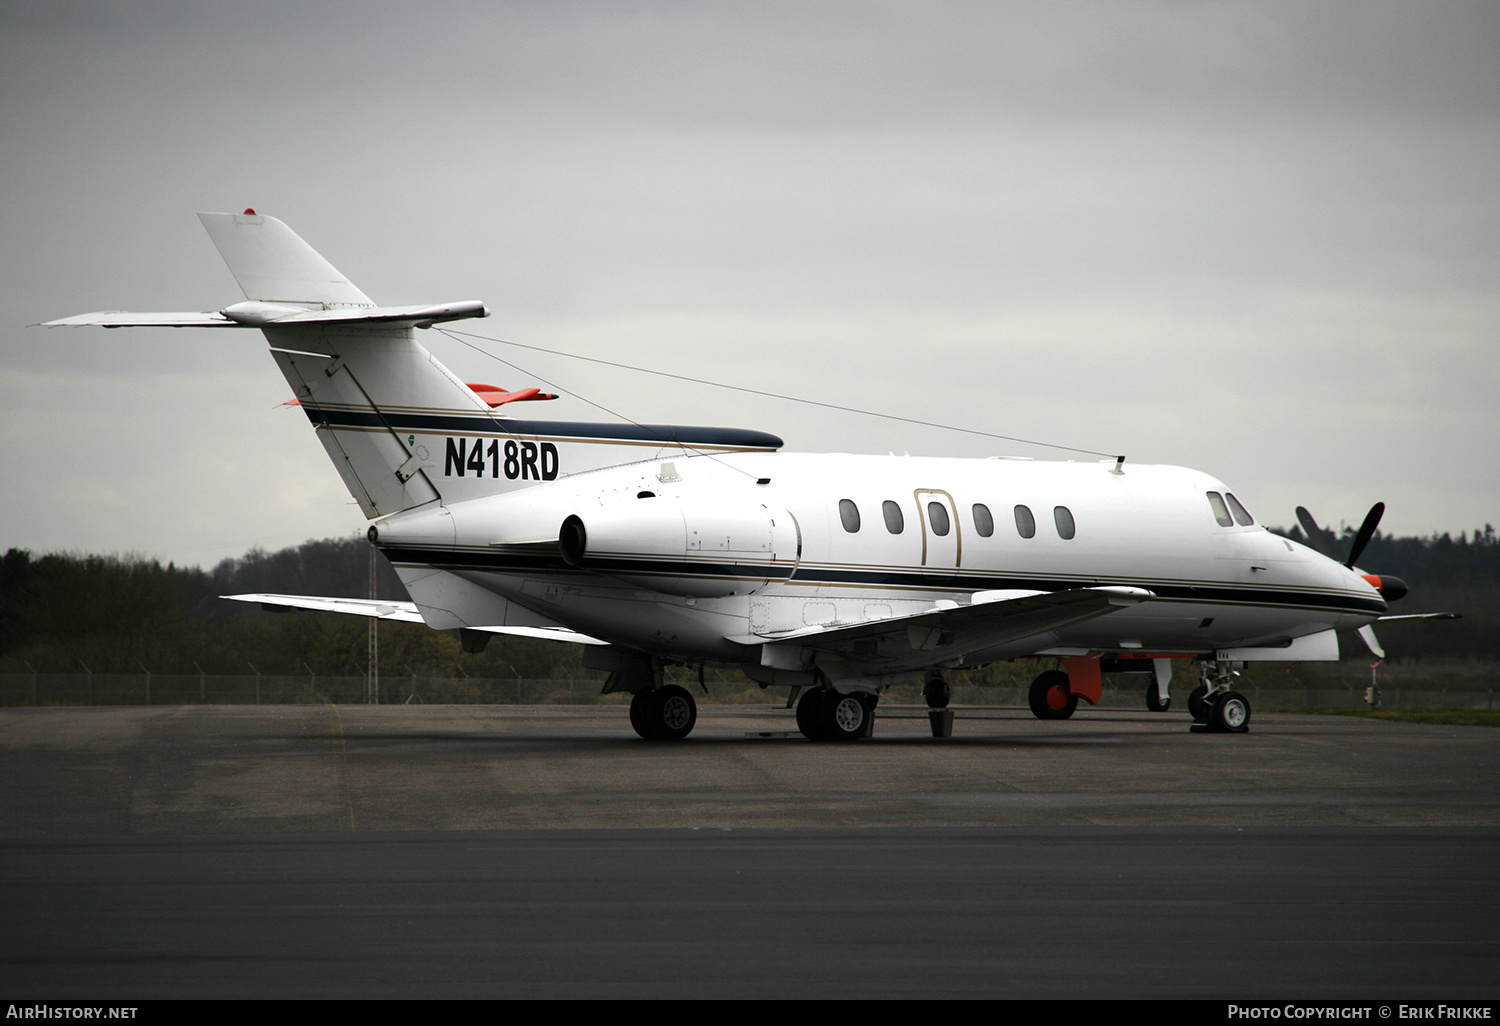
column 501, row 851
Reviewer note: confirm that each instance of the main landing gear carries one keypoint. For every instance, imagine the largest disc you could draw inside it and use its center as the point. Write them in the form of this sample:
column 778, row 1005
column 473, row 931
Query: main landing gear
column 824, row 714
column 936, row 691
column 666, row 713
column 1215, row 707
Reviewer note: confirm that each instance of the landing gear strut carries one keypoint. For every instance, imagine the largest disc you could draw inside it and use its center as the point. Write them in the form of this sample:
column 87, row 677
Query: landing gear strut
column 666, row 713
column 824, row 714
column 1158, row 698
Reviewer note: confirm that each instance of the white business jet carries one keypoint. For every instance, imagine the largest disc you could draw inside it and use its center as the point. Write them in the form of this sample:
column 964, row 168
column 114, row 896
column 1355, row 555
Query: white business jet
column 833, row 575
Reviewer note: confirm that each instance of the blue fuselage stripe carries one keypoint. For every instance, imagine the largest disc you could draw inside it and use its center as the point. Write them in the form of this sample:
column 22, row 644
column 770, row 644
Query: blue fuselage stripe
column 665, row 434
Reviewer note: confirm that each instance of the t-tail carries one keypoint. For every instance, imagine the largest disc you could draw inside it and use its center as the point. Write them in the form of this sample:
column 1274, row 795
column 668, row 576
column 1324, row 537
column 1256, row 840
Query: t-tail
column 402, row 430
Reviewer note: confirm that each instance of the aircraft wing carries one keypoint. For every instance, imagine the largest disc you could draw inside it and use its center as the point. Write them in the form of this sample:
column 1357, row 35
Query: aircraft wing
column 990, row 618
column 405, row 612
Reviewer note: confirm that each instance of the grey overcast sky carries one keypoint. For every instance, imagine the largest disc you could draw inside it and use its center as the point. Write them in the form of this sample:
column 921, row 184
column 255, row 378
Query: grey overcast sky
column 1258, row 239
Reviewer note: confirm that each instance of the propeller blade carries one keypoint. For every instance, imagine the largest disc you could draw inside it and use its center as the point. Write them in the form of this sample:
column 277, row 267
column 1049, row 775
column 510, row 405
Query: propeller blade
column 1310, row 528
column 1366, row 532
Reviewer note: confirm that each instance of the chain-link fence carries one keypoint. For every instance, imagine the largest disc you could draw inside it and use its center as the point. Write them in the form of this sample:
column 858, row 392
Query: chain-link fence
column 83, row 689
column 19, row 689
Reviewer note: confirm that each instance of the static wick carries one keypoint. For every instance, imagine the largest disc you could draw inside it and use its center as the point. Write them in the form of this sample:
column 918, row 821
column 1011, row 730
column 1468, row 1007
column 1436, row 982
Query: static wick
column 1119, row 465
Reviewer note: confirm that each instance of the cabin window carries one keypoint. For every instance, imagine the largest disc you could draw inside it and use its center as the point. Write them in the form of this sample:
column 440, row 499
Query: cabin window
column 1064, row 520
column 1221, row 511
column 894, row 521
column 984, row 524
column 849, row 514
column 1025, row 522
column 937, row 516
column 1241, row 514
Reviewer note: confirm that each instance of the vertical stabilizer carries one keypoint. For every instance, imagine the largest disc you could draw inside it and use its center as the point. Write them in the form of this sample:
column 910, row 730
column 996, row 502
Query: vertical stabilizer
column 273, row 264
column 401, row 428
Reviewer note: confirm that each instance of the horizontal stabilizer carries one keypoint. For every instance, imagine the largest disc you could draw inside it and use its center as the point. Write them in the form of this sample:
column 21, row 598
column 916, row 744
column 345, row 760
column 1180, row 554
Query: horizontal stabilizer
column 260, row 315
column 125, row 319
column 404, row 612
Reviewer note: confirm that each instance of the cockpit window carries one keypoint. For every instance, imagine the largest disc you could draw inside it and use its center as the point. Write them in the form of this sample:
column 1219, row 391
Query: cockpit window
column 849, row 514
column 1241, row 514
column 894, row 521
column 1221, row 511
column 1025, row 522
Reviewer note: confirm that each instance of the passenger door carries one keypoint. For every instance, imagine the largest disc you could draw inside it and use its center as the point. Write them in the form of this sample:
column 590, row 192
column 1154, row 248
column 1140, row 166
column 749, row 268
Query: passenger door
column 942, row 535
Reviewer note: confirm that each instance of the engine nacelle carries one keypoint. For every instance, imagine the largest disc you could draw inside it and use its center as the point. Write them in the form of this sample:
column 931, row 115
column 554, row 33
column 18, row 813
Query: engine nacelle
column 685, row 546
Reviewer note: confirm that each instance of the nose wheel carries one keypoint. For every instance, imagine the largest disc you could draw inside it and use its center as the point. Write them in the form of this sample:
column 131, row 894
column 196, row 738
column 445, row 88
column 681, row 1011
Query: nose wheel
column 1215, row 707
column 1230, row 713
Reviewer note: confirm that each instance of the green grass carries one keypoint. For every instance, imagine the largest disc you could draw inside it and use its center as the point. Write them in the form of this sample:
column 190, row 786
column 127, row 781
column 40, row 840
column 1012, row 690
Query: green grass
column 1457, row 717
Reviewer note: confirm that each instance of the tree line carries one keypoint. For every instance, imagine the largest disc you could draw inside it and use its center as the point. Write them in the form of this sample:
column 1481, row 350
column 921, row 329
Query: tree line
column 63, row 612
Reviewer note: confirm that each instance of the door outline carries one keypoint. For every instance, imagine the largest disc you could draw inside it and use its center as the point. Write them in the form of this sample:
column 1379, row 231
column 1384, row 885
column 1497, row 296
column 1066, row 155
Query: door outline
column 958, row 536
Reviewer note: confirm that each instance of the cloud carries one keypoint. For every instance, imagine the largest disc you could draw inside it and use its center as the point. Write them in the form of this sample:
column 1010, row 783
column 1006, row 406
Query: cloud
column 1256, row 238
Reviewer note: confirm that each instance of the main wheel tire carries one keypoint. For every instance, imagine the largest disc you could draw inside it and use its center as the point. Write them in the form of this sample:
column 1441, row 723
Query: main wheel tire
column 1231, row 713
column 673, row 713
column 845, row 717
column 809, row 713
column 937, row 692
column 826, row 715
column 1198, row 703
column 1050, row 697
column 639, row 714
column 1154, row 703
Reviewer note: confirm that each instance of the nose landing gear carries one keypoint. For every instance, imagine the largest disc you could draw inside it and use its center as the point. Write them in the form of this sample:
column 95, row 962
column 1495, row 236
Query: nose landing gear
column 1215, row 706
